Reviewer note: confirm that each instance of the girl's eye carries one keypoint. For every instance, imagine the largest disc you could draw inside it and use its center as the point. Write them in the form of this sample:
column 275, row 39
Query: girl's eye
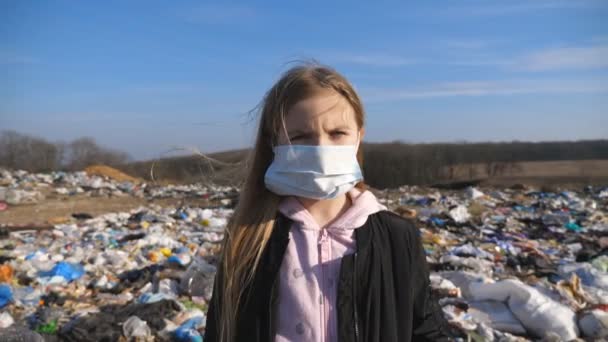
column 338, row 133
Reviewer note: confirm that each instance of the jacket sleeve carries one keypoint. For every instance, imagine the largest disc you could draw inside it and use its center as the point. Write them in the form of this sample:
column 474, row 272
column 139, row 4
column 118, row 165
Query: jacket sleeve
column 214, row 309
column 429, row 323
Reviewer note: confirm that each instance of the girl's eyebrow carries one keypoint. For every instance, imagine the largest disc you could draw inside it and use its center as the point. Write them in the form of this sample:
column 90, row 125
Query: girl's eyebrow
column 340, row 128
column 302, row 131
column 296, row 131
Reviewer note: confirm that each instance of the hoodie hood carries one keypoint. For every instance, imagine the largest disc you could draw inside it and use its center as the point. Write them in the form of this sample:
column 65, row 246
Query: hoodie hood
column 364, row 204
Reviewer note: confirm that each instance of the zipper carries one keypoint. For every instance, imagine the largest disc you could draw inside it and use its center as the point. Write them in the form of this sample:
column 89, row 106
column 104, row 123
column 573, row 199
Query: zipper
column 320, row 245
column 355, row 298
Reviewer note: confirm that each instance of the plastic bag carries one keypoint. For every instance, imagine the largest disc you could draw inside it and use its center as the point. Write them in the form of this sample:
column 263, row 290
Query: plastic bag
column 6, row 295
column 135, row 327
column 539, row 314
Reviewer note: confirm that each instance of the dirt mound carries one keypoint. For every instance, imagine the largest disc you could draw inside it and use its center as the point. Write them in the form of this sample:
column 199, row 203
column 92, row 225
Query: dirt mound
column 110, row 172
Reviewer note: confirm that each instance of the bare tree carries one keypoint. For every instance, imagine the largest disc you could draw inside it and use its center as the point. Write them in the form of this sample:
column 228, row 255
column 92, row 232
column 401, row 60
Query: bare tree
column 83, row 152
column 21, row 151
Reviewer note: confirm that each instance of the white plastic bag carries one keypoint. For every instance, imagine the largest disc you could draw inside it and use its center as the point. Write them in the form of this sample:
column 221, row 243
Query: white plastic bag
column 538, row 313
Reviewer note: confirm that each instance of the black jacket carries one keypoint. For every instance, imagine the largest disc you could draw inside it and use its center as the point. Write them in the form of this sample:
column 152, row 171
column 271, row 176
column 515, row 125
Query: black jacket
column 383, row 290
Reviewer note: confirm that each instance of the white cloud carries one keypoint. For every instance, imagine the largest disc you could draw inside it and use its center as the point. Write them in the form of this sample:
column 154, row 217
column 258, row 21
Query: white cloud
column 591, row 57
column 480, row 61
column 548, row 59
column 11, row 57
column 166, row 88
column 376, row 60
column 466, row 44
column 218, row 14
column 478, row 53
column 600, row 39
column 483, row 53
column 485, row 88
column 491, row 8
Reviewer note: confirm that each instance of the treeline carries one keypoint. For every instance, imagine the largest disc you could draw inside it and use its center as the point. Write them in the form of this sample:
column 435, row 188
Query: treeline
column 25, row 152
column 227, row 168
column 394, row 164
column 386, row 165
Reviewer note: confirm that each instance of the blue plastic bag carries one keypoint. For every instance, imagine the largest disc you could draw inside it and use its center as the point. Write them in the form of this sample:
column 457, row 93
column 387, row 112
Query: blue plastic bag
column 6, row 295
column 187, row 332
column 437, row 221
column 64, row 269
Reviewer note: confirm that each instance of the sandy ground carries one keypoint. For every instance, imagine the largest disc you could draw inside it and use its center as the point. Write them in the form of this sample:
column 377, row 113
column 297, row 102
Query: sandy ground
column 563, row 173
column 56, row 208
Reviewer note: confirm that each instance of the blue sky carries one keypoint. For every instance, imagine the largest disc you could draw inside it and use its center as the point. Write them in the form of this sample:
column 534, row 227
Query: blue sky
column 147, row 76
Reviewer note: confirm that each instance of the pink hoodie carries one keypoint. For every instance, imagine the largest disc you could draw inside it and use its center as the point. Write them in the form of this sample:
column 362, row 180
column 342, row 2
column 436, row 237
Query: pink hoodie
column 311, row 266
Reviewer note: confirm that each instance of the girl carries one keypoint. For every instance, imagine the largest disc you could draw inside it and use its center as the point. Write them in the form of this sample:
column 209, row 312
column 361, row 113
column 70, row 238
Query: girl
column 310, row 254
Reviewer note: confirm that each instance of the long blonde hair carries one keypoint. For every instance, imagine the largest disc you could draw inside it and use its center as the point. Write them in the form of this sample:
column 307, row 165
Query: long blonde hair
column 253, row 220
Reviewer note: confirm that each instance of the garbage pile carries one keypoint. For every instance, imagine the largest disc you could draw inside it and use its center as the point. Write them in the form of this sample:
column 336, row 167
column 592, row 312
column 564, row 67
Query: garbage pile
column 515, row 264
column 506, row 264
column 21, row 187
column 145, row 274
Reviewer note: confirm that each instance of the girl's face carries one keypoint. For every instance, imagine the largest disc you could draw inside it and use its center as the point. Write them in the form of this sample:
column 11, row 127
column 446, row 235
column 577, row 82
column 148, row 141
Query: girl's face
column 321, row 120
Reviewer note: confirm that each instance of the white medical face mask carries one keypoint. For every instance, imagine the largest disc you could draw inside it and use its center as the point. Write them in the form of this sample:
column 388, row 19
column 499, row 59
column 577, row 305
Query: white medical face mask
column 313, row 171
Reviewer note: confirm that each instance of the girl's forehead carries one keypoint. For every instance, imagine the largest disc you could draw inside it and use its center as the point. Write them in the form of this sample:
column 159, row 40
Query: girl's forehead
column 328, row 109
